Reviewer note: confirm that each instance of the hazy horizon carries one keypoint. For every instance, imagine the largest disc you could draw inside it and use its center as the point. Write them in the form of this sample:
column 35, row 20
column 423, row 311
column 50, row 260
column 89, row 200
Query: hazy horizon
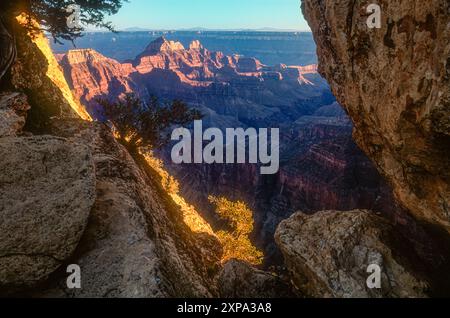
column 201, row 29
column 276, row 15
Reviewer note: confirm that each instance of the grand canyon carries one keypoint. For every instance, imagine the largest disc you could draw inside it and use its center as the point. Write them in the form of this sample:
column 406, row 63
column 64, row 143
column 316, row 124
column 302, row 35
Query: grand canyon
column 321, row 167
column 364, row 171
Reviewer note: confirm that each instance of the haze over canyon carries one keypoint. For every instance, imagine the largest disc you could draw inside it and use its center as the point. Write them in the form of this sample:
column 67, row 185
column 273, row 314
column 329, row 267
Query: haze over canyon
column 321, row 167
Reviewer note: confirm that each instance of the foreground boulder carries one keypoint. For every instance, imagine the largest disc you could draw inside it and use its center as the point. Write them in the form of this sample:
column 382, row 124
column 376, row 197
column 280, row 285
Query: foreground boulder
column 47, row 189
column 328, row 255
column 395, row 84
column 240, row 280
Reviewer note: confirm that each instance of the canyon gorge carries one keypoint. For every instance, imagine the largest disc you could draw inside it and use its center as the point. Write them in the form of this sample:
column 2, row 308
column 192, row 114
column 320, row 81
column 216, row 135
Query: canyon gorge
column 321, row 167
column 364, row 176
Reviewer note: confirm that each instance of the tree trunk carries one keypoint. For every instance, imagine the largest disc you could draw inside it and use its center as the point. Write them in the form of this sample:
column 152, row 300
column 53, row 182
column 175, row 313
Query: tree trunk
column 8, row 49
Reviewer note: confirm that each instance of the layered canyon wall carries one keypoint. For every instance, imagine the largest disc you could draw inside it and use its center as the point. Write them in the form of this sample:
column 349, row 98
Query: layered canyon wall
column 321, row 167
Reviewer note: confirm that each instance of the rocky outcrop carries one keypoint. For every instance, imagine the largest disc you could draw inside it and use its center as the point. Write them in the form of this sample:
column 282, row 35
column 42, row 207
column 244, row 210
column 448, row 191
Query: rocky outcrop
column 76, row 196
column 47, row 190
column 240, row 280
column 394, row 83
column 163, row 45
column 97, row 76
column 47, row 186
column 37, row 73
column 80, row 198
column 136, row 243
column 13, row 109
column 329, row 254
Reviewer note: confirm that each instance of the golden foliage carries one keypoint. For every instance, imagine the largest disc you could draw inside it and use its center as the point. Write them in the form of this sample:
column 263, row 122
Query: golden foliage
column 236, row 242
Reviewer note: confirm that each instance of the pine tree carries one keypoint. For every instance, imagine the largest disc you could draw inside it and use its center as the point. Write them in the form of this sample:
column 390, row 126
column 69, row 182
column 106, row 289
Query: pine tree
column 139, row 125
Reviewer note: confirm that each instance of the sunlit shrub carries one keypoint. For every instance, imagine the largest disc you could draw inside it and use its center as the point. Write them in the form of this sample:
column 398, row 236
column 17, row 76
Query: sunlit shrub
column 236, row 241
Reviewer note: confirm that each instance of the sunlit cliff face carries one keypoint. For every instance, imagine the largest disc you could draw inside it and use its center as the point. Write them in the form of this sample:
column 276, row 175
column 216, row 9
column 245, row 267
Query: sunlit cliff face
column 54, row 72
column 190, row 216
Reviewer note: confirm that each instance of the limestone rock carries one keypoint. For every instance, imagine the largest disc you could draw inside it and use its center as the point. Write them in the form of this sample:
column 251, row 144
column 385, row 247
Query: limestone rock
column 395, row 84
column 78, row 197
column 13, row 108
column 240, row 280
column 328, row 255
column 47, row 189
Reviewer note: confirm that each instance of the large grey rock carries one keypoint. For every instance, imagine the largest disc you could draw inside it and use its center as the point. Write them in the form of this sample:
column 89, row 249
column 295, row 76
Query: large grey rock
column 328, row 255
column 240, row 280
column 47, row 189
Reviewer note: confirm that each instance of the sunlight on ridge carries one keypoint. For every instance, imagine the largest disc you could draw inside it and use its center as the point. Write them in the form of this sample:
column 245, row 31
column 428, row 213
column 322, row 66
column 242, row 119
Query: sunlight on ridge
column 54, row 72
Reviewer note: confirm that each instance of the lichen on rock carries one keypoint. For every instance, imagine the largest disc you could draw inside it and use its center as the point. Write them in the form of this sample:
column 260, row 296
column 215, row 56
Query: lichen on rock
column 47, row 190
column 328, row 255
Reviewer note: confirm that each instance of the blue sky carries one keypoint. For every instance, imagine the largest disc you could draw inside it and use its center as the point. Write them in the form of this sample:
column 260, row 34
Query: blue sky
column 211, row 14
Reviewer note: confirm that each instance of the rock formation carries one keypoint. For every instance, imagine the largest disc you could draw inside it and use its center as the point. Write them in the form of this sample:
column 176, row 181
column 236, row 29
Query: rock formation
column 76, row 196
column 228, row 88
column 13, row 110
column 329, row 253
column 136, row 243
column 240, row 280
column 394, row 83
column 47, row 190
column 37, row 73
column 321, row 167
column 100, row 76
